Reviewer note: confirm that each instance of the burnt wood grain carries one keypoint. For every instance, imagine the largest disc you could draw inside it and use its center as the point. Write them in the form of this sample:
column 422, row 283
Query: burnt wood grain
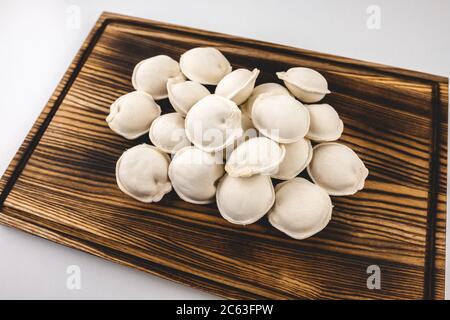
column 61, row 183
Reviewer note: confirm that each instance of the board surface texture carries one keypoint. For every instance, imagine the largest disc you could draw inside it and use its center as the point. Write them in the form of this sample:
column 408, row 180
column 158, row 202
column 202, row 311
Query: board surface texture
column 61, row 184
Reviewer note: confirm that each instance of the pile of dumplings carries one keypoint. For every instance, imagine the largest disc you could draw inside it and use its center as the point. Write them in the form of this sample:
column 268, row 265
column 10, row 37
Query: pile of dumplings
column 229, row 145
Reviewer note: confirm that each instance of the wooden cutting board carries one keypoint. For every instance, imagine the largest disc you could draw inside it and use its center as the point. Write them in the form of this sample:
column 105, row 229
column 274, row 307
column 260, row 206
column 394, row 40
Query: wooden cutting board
column 61, row 184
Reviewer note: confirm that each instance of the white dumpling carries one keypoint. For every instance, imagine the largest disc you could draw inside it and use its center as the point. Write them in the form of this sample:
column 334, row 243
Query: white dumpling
column 167, row 133
column 151, row 75
column 132, row 114
column 205, row 65
column 306, row 84
column 258, row 155
column 325, row 124
column 270, row 87
column 213, row 123
column 337, row 168
column 141, row 173
column 297, row 157
column 280, row 117
column 301, row 208
column 184, row 94
column 237, row 85
column 236, row 198
column 195, row 174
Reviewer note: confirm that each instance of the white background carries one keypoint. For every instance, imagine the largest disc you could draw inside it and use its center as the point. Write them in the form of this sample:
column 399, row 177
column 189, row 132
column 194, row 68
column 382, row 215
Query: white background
column 38, row 42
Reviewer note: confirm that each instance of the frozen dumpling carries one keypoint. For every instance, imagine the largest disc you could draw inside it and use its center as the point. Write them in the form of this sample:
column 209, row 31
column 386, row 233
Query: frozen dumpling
column 141, row 173
column 205, row 65
column 167, row 133
column 305, row 84
column 280, row 117
column 237, row 85
column 297, row 157
column 325, row 124
column 184, row 94
column 151, row 75
column 195, row 174
column 258, row 155
column 301, row 208
column 132, row 114
column 236, row 198
column 337, row 168
column 270, row 87
column 213, row 123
